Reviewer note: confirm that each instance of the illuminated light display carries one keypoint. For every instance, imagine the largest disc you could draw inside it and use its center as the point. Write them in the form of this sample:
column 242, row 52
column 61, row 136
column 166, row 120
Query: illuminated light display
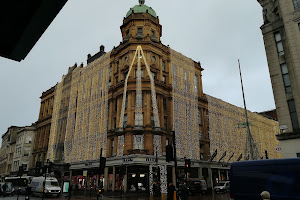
column 185, row 103
column 227, row 135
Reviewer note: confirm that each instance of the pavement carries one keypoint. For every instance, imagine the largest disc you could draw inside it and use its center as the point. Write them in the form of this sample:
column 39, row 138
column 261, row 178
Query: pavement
column 124, row 197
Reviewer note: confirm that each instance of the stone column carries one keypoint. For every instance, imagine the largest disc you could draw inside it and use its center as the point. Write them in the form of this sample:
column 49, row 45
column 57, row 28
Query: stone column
column 125, row 183
column 200, row 173
column 219, row 174
column 173, row 176
column 210, row 178
column 114, row 179
column 105, row 178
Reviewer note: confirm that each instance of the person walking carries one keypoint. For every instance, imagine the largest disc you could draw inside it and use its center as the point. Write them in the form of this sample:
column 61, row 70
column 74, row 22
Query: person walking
column 171, row 190
column 184, row 193
column 4, row 187
column 28, row 192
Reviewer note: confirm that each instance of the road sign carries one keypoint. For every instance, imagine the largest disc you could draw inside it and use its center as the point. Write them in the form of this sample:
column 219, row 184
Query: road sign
column 283, row 126
column 278, row 149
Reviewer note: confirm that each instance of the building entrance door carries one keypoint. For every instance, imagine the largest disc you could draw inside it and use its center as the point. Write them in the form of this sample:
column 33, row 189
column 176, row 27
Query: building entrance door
column 138, row 178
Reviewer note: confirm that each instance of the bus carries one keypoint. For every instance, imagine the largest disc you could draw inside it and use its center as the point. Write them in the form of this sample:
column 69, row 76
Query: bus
column 19, row 183
column 280, row 177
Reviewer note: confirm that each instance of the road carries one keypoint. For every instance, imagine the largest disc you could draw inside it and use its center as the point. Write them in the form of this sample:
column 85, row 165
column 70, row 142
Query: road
column 200, row 197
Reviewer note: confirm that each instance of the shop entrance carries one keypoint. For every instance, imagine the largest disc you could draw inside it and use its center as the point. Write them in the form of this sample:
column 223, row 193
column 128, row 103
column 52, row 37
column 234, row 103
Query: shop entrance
column 137, row 178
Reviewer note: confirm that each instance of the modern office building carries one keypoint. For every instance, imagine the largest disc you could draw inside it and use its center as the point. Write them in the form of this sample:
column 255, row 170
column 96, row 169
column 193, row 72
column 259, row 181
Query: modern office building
column 281, row 36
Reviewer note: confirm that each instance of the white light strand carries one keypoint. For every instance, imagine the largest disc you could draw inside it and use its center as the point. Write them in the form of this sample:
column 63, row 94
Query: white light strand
column 163, row 179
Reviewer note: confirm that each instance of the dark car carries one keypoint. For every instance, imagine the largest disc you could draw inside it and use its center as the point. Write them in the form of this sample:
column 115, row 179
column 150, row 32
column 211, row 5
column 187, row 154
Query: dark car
column 197, row 186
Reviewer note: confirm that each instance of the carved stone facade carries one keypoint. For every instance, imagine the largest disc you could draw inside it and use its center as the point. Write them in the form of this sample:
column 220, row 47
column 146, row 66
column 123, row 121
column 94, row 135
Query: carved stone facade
column 43, row 126
column 282, row 44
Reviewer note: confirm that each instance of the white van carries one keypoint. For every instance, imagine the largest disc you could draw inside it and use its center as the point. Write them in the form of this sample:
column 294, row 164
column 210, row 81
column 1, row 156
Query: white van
column 51, row 187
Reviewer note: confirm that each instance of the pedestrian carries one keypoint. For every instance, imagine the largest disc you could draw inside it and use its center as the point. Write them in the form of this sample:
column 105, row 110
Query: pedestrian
column 4, row 187
column 171, row 190
column 265, row 195
column 28, row 192
column 184, row 193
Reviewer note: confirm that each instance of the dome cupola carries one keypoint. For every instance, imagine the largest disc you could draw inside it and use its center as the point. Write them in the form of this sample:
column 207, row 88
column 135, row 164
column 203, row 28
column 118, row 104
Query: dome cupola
column 141, row 8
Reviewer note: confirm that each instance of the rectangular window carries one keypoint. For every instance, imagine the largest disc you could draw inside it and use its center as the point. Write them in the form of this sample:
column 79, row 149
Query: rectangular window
column 140, row 31
column 165, row 123
column 126, row 101
column 286, row 78
column 138, row 142
column 196, row 83
column 152, row 33
column 125, row 75
column 164, row 79
column 165, row 104
column 112, row 147
column 199, row 116
column 142, row 73
column 296, row 4
column 116, row 105
column 125, row 121
column 293, row 113
column 152, row 121
column 153, row 75
column 298, row 155
column 115, row 122
column 163, row 66
column 117, row 79
column 117, row 66
column 185, row 75
column 109, row 72
column 279, row 44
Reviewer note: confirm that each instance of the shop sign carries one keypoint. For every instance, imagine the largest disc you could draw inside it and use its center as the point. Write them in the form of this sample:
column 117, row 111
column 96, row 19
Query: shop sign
column 278, row 149
column 283, row 126
column 127, row 160
column 85, row 173
column 150, row 159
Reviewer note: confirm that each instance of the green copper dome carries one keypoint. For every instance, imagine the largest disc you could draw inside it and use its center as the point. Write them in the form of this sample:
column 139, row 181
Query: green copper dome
column 142, row 8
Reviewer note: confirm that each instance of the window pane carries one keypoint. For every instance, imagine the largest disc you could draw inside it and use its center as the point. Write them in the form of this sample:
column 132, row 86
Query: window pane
column 296, row 4
column 292, row 106
column 277, row 37
column 284, row 69
column 288, row 89
column 294, row 119
column 286, row 80
column 279, row 47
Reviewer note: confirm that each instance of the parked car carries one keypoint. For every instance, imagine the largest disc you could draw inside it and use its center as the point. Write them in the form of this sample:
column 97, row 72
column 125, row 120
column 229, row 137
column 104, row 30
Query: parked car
column 223, row 186
column 52, row 187
column 9, row 190
column 196, row 186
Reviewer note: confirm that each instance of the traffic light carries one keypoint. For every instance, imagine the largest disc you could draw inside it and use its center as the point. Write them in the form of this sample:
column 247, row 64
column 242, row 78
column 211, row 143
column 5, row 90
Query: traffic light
column 21, row 171
column 102, row 164
column 169, row 153
column 187, row 165
column 38, row 166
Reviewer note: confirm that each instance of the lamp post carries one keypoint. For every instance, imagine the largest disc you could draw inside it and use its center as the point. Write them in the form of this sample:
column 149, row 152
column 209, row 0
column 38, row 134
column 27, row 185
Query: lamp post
column 44, row 183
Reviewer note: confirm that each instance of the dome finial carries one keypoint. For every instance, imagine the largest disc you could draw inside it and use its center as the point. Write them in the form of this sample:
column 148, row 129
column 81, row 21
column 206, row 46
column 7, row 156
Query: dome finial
column 141, row 2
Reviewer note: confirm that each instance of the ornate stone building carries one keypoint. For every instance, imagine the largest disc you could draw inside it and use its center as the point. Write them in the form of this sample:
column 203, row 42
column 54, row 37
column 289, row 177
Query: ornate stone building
column 43, row 126
column 127, row 103
column 7, row 150
column 282, row 43
column 227, row 132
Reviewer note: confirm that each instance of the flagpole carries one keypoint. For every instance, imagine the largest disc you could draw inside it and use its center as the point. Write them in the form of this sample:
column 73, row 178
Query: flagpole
column 246, row 116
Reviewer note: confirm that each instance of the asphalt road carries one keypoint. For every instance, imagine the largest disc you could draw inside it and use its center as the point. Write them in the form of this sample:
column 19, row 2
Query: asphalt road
column 199, row 197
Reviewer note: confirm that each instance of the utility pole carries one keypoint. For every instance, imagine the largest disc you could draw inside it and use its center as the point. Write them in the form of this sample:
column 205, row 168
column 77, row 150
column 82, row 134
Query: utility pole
column 175, row 159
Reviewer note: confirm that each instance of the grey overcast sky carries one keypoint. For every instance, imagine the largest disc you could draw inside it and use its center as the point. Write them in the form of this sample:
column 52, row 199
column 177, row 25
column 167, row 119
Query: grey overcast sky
column 215, row 32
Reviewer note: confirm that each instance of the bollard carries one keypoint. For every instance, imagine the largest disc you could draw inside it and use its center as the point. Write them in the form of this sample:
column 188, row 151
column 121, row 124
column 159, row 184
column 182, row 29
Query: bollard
column 265, row 195
column 174, row 196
